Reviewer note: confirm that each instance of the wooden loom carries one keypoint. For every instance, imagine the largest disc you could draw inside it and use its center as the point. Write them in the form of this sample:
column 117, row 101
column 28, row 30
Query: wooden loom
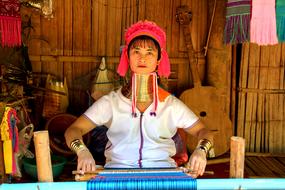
column 89, row 175
column 168, row 178
column 44, row 163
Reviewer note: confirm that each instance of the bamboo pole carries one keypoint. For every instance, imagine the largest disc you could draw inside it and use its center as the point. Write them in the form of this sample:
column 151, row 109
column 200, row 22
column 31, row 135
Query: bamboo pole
column 237, row 157
column 42, row 149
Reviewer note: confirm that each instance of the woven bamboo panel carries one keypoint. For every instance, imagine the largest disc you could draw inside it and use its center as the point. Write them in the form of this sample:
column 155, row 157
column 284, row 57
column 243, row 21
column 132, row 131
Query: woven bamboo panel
column 261, row 98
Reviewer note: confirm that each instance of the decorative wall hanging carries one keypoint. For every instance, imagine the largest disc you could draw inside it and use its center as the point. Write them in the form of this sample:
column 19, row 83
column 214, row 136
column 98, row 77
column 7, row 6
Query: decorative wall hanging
column 263, row 22
column 237, row 21
column 10, row 23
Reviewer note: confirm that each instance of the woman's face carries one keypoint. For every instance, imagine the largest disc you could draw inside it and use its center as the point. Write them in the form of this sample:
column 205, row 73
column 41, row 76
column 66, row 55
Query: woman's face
column 143, row 57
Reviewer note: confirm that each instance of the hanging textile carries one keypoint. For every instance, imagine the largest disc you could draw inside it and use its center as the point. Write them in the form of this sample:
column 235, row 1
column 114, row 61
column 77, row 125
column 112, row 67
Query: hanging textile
column 237, row 21
column 9, row 136
column 263, row 22
column 10, row 23
column 280, row 20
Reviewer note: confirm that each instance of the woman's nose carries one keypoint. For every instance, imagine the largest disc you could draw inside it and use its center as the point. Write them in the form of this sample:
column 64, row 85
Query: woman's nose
column 143, row 58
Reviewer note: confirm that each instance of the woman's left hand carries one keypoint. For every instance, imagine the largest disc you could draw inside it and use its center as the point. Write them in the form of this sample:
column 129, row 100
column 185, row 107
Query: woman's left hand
column 197, row 163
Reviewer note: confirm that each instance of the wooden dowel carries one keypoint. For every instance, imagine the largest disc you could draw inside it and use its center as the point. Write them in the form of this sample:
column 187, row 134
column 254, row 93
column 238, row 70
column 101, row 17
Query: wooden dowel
column 97, row 171
column 218, row 161
column 42, row 150
column 237, row 157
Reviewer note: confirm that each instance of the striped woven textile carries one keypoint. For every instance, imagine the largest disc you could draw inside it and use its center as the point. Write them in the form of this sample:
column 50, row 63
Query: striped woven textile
column 237, row 25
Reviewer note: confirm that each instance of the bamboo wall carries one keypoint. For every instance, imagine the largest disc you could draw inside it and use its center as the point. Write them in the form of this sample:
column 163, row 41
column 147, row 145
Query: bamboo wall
column 82, row 32
column 261, row 112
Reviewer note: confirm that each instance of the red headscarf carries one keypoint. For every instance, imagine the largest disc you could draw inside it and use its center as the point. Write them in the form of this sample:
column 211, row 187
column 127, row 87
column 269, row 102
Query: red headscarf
column 150, row 29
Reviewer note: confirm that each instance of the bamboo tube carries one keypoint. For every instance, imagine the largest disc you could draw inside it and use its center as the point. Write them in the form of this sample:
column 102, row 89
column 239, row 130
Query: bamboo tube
column 42, row 149
column 237, row 157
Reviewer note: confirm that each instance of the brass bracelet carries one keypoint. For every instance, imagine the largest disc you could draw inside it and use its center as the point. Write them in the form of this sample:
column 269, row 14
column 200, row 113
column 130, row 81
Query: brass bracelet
column 205, row 145
column 77, row 145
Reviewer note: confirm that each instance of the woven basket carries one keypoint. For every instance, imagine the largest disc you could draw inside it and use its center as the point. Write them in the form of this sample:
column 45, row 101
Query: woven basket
column 56, row 127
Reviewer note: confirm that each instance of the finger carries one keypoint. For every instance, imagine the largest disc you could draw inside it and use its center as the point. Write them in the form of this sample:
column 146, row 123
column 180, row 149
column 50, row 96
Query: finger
column 193, row 175
column 88, row 166
column 201, row 170
column 93, row 166
column 196, row 166
column 79, row 166
column 192, row 165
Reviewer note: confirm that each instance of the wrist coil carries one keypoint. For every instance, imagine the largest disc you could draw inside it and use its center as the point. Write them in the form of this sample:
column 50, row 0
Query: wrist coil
column 204, row 145
column 77, row 145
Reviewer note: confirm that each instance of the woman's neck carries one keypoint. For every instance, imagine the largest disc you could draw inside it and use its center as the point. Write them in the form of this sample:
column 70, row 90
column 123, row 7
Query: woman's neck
column 144, row 88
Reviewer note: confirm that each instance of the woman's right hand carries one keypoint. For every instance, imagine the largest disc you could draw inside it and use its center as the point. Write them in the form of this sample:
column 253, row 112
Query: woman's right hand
column 85, row 162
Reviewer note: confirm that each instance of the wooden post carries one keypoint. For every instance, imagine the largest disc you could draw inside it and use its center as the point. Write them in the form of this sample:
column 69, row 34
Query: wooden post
column 237, row 157
column 42, row 150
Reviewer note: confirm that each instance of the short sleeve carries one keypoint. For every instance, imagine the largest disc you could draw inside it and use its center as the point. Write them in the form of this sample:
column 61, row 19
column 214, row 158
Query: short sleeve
column 185, row 117
column 100, row 112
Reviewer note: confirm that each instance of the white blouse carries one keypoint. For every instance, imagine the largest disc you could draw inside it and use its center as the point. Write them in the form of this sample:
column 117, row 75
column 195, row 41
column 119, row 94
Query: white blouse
column 144, row 141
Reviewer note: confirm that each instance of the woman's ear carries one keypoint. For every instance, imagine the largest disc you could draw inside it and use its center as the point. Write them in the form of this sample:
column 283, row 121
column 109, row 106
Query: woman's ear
column 158, row 61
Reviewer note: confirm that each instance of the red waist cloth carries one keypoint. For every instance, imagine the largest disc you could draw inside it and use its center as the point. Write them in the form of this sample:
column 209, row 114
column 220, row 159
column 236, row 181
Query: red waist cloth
column 10, row 23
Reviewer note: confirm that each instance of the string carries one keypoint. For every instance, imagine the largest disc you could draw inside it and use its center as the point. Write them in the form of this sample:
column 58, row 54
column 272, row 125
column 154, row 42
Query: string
column 134, row 96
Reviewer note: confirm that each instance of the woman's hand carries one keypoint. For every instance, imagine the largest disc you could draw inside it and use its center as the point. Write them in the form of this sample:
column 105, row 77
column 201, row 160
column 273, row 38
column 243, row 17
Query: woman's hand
column 85, row 161
column 197, row 163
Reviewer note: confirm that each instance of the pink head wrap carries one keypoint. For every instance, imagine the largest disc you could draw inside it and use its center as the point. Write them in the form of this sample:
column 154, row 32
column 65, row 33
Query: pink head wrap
column 150, row 29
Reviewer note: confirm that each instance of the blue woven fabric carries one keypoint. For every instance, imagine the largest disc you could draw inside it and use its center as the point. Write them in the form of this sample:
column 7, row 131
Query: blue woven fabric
column 145, row 181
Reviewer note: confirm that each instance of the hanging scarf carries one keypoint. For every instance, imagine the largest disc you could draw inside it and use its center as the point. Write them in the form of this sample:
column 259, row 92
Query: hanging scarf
column 9, row 136
column 237, row 21
column 10, row 23
column 280, row 20
column 263, row 22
